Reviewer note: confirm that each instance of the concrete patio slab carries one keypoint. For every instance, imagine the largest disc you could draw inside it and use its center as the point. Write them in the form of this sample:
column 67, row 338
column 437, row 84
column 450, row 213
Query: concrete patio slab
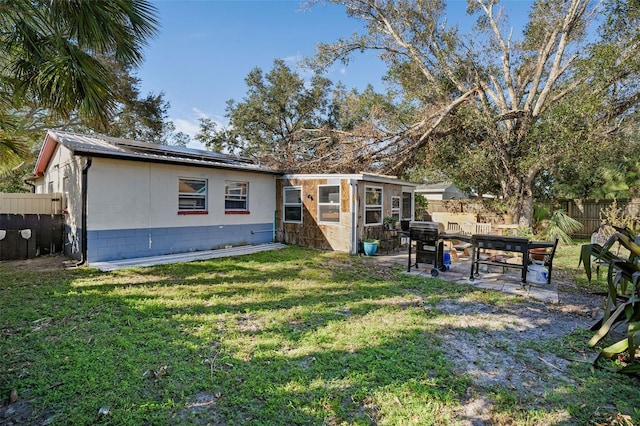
column 183, row 257
column 492, row 279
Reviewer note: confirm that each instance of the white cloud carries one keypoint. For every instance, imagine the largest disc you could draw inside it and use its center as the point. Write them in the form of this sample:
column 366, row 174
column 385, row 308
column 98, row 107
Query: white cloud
column 191, row 125
column 199, row 112
column 188, row 126
column 294, row 60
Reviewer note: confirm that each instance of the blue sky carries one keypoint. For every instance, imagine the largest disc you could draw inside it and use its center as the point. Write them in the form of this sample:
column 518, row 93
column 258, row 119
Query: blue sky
column 206, row 48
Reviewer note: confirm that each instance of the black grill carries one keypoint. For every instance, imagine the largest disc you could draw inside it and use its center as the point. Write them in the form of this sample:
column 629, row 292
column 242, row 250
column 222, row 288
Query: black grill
column 428, row 246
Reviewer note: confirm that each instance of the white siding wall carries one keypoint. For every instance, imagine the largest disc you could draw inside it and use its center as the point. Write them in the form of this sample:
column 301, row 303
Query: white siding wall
column 128, row 194
column 64, row 165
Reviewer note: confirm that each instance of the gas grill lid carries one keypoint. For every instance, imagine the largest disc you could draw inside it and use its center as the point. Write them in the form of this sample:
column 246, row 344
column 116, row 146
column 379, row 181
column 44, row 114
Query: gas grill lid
column 426, row 225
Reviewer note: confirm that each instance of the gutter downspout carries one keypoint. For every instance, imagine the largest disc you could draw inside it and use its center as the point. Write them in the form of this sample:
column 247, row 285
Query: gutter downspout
column 354, row 216
column 33, row 187
column 83, row 223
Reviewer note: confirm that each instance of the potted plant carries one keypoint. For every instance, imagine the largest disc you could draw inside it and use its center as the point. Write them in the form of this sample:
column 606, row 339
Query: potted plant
column 370, row 246
column 507, row 211
column 504, row 207
column 389, row 222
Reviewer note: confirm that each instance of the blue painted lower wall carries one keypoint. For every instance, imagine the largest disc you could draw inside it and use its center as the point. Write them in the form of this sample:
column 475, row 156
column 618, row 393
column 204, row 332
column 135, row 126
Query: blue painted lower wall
column 130, row 243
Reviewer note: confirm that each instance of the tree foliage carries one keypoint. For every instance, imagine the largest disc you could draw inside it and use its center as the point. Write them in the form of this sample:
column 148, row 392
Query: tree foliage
column 300, row 125
column 134, row 116
column 492, row 109
column 53, row 66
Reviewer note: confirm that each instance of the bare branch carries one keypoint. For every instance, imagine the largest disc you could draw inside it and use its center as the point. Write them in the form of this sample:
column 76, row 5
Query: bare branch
column 576, row 10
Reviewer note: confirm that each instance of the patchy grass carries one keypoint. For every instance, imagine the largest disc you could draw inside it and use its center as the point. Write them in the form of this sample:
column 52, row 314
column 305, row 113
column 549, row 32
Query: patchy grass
column 294, row 336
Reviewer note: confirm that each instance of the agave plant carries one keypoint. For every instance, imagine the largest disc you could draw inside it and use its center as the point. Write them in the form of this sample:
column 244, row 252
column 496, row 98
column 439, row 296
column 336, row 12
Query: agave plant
column 622, row 304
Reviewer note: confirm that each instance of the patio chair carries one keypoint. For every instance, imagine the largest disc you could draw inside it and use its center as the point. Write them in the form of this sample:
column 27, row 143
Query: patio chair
column 483, row 228
column 602, row 254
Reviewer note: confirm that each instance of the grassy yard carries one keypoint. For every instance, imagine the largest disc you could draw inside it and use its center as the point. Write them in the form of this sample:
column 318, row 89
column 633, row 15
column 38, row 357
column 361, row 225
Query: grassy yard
column 287, row 337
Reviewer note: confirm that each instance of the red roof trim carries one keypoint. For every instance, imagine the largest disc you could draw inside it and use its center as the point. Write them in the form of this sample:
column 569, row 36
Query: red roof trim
column 46, row 152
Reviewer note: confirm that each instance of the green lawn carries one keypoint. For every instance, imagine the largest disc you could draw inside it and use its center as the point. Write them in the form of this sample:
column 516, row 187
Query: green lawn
column 287, row 337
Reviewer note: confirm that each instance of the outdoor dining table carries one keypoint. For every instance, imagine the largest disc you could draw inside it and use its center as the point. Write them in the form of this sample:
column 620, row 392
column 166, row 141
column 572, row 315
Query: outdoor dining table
column 503, row 244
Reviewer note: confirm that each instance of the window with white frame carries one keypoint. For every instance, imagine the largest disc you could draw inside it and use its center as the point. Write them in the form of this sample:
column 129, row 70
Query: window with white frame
column 329, row 203
column 192, row 195
column 372, row 205
column 395, row 208
column 292, row 204
column 236, row 196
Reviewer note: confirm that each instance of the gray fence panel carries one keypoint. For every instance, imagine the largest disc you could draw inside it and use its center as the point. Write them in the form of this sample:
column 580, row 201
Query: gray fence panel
column 46, row 235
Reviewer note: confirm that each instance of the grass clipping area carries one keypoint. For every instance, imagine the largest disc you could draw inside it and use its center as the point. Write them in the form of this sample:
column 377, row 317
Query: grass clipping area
column 291, row 337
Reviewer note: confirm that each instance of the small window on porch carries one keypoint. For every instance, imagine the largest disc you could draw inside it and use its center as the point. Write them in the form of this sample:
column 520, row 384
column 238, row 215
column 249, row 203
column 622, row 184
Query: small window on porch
column 372, row 205
column 293, row 204
column 329, row 203
column 395, row 208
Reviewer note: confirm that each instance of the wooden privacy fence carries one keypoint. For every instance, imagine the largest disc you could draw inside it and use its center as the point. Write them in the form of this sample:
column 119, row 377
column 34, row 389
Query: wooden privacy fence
column 25, row 203
column 587, row 212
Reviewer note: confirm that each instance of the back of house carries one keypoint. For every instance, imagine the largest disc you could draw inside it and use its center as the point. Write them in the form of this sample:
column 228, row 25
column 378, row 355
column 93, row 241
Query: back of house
column 127, row 199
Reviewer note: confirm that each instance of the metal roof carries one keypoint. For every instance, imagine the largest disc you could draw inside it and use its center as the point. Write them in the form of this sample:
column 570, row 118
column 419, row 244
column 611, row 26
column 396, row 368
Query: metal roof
column 371, row 177
column 124, row 149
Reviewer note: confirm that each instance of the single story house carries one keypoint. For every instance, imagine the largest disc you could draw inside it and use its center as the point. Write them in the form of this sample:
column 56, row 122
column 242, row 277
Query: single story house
column 126, row 199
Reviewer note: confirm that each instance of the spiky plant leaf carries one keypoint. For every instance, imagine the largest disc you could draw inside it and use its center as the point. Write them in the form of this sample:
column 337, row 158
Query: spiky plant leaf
column 630, row 369
column 560, row 225
column 616, row 348
column 604, row 330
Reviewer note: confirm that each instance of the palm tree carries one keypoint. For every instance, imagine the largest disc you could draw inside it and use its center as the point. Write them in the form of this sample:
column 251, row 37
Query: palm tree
column 53, row 56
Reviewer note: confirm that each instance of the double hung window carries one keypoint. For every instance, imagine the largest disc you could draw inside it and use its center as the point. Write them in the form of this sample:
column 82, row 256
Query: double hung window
column 192, row 195
column 395, row 208
column 329, row 203
column 372, row 205
column 292, row 204
column 236, row 196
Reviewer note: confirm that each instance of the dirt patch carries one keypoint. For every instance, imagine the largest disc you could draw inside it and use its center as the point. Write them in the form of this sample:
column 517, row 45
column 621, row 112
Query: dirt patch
column 503, row 347
column 41, row 263
column 21, row 412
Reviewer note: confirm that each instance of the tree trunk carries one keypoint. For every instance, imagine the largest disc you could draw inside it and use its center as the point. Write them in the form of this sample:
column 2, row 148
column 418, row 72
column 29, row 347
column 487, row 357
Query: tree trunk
column 524, row 208
column 520, row 191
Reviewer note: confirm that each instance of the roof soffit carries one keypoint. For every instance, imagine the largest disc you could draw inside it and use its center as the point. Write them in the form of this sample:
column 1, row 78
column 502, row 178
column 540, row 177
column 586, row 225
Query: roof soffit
column 46, row 153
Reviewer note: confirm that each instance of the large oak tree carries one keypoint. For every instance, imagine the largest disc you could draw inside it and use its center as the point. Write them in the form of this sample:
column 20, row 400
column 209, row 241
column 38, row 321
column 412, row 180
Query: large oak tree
column 494, row 108
column 299, row 125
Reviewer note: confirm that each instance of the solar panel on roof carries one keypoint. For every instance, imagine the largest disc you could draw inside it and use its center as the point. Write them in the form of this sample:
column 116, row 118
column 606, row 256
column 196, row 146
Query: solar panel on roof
column 106, row 145
column 180, row 151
